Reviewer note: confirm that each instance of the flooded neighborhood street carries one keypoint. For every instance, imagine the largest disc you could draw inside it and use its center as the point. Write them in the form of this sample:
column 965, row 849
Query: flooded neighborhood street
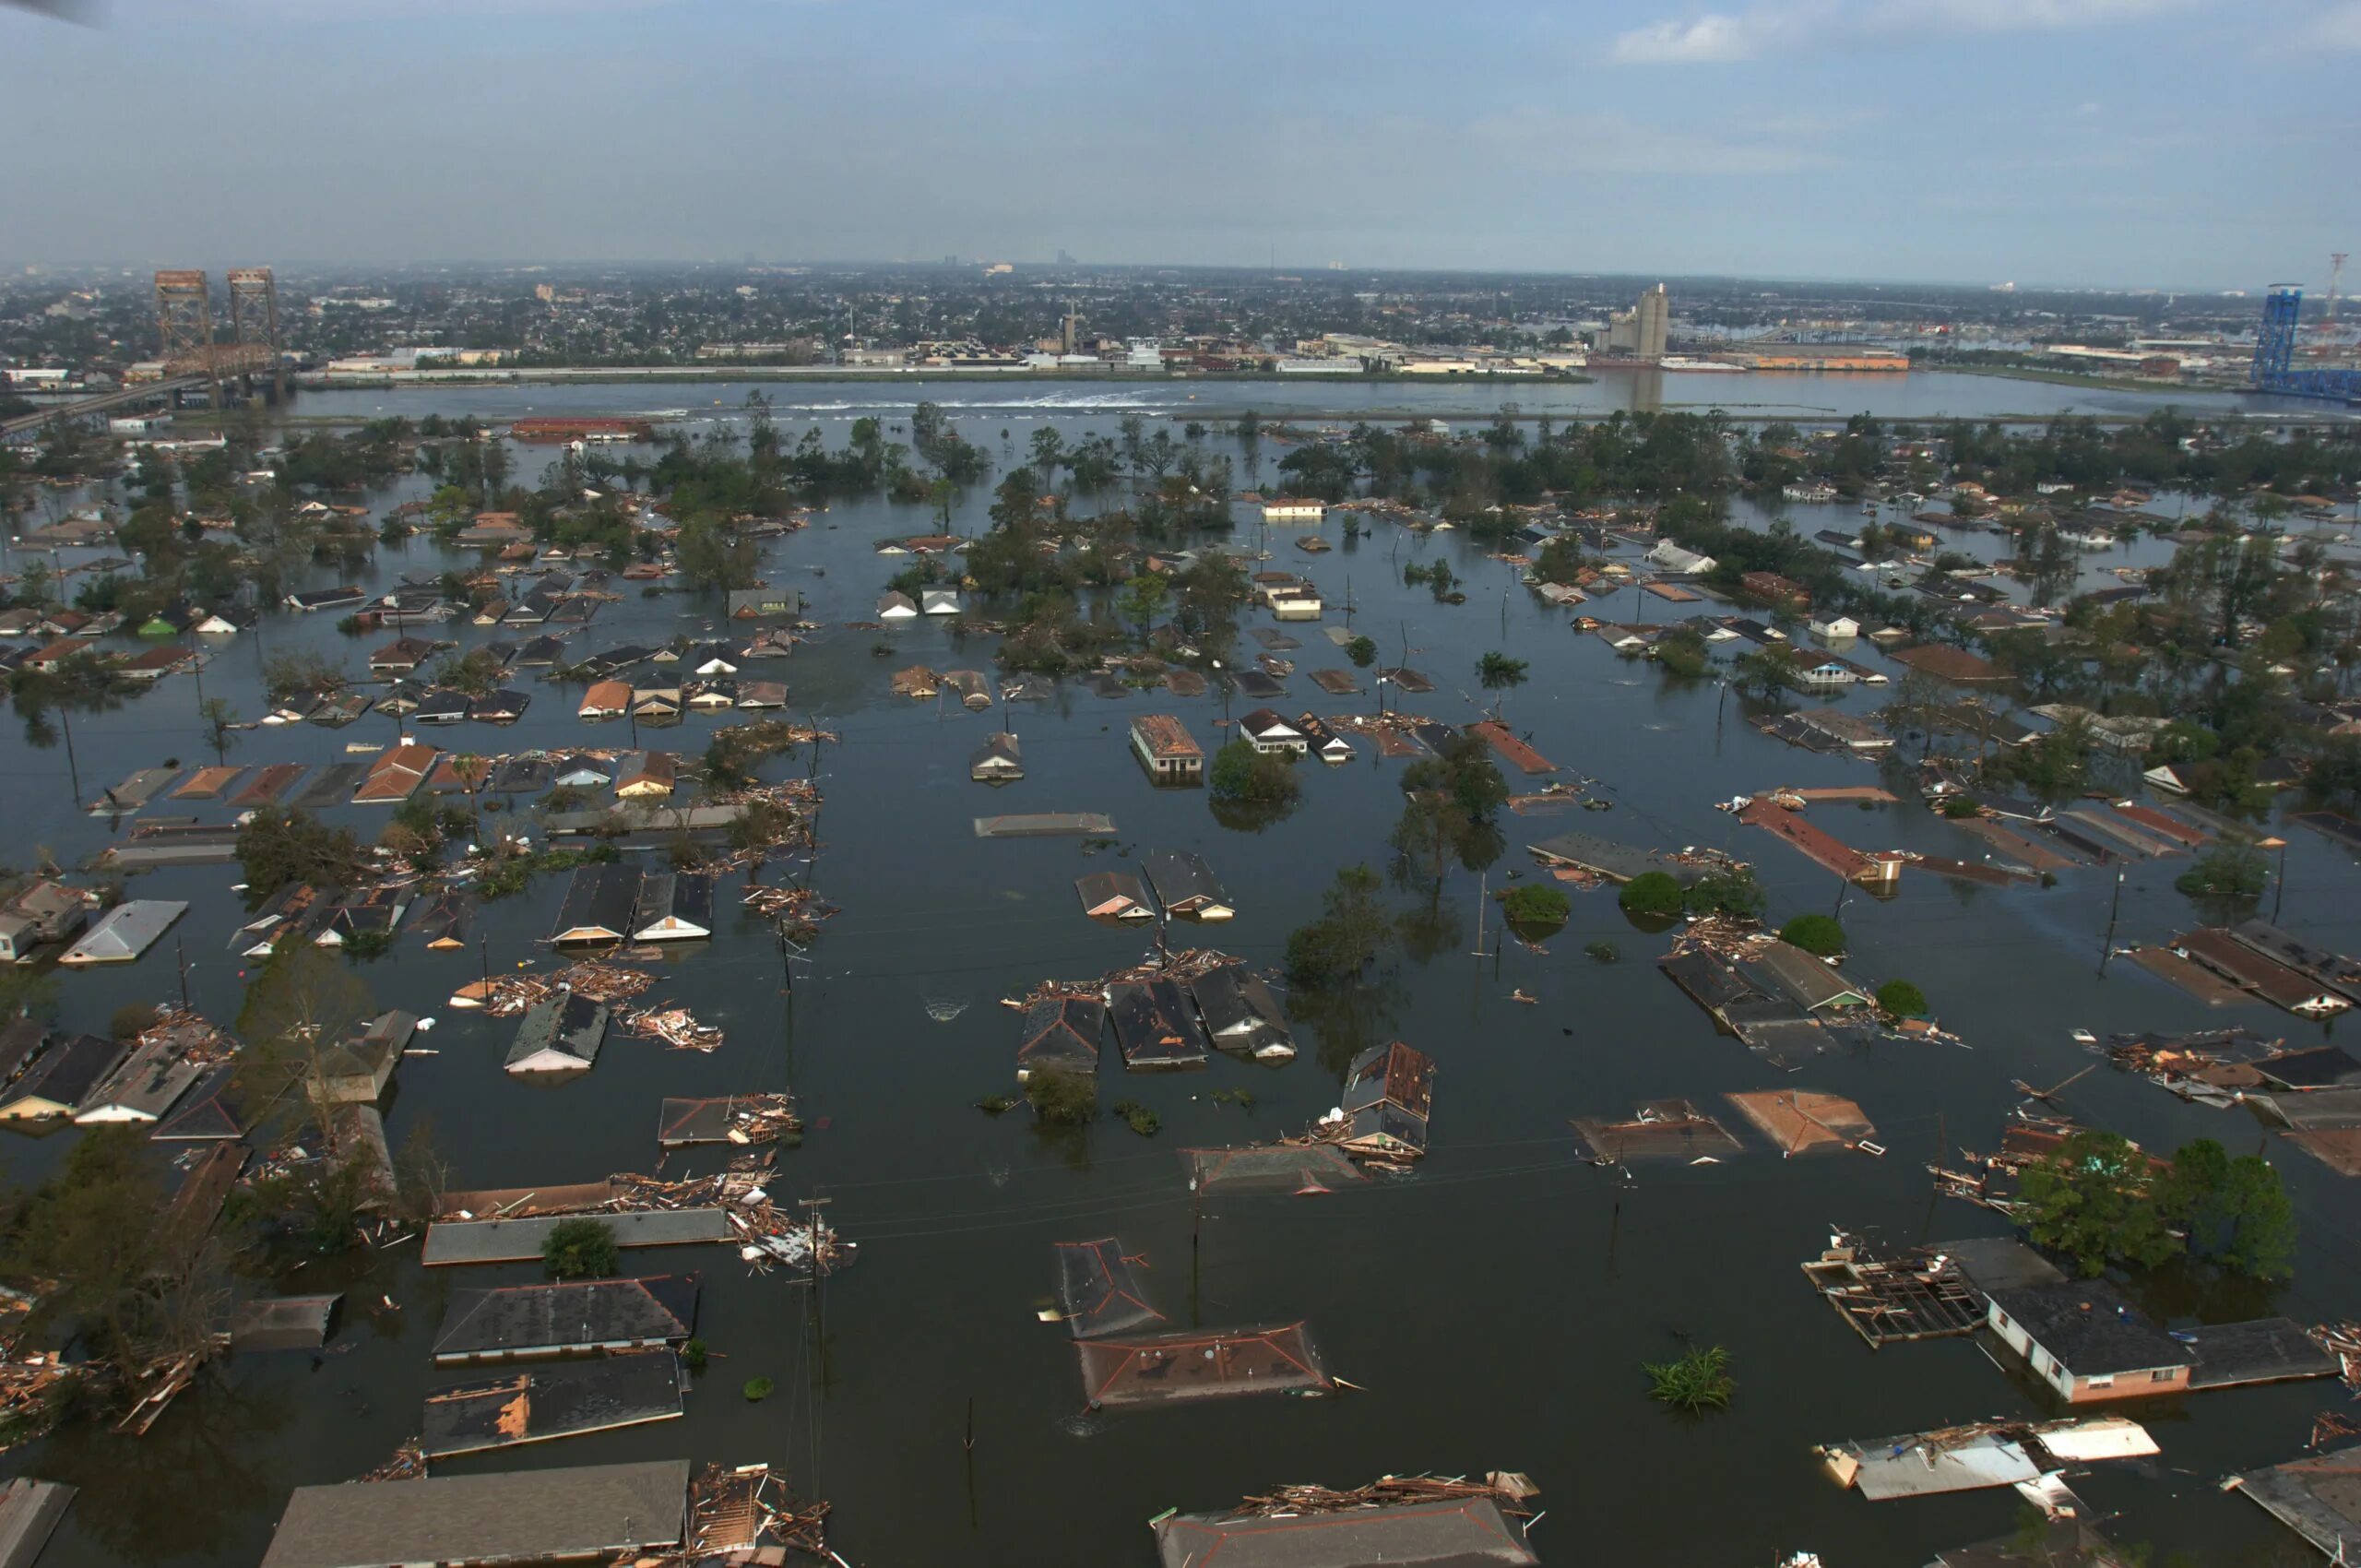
column 1490, row 1306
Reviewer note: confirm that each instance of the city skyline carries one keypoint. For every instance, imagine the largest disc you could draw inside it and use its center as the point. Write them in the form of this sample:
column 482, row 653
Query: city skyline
column 2076, row 143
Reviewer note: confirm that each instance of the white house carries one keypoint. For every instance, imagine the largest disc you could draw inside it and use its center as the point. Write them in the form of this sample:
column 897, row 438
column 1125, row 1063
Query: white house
column 1670, row 557
column 1836, row 627
column 1293, row 509
column 1272, row 735
column 895, row 607
column 939, row 601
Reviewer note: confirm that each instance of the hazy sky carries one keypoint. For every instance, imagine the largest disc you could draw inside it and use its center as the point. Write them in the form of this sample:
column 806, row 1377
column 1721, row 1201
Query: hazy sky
column 2164, row 142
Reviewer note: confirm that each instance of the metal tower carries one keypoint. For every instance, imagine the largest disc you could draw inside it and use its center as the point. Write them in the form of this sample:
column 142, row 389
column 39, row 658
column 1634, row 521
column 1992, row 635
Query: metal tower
column 2275, row 341
column 185, row 327
column 254, row 322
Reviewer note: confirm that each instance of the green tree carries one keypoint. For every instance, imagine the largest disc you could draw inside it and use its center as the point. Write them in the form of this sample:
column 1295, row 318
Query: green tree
column 580, row 1248
column 1061, row 1096
column 2230, row 874
column 2094, row 1198
column 1534, row 906
column 1143, row 597
column 90, row 1232
column 1820, row 935
column 1498, row 672
column 276, row 848
column 220, row 725
column 2233, row 1212
column 1901, row 999
column 1733, row 892
column 1652, row 893
column 1243, row 773
column 1362, row 652
column 1339, row 946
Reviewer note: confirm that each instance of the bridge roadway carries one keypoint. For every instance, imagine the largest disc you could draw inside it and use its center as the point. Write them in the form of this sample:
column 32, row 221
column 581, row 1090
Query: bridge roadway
column 103, row 403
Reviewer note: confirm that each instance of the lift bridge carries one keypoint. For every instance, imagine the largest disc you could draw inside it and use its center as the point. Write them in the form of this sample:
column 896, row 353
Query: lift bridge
column 250, row 358
column 2274, row 354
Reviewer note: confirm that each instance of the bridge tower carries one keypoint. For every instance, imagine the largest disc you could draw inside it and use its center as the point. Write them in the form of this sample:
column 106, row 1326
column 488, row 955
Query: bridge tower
column 2275, row 341
column 254, row 322
column 184, row 326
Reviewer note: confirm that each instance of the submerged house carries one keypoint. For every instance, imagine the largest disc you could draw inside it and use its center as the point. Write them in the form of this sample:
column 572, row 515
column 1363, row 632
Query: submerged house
column 1185, row 885
column 1060, row 1034
column 62, row 1079
column 2083, row 1339
column 356, row 1071
column 606, row 699
column 1113, row 895
column 1389, row 1095
column 999, row 760
column 584, row 1317
column 147, row 1084
column 1156, row 1023
column 600, row 904
column 124, row 932
column 1806, row 981
column 1167, row 750
column 44, row 912
column 1242, row 1015
column 1272, row 735
column 396, row 776
column 645, row 775
column 593, row 1513
column 673, row 907
column 562, row 1034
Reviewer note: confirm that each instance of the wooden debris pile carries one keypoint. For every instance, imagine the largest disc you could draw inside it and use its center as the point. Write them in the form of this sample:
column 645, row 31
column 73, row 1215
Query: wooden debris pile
column 161, row 1384
column 514, row 993
column 797, row 905
column 1186, row 965
column 767, row 1236
column 182, row 1032
column 761, row 1118
column 407, row 1462
column 1513, row 1493
column 1722, row 936
column 2343, row 1340
column 676, row 1027
column 740, row 1511
column 33, row 1385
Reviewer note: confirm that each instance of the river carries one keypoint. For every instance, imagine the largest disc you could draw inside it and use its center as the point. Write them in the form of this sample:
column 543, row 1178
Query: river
column 1494, row 1309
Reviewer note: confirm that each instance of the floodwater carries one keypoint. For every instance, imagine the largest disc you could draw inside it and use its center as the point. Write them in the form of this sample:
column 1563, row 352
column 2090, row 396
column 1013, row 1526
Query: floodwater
column 1743, row 394
column 1494, row 1309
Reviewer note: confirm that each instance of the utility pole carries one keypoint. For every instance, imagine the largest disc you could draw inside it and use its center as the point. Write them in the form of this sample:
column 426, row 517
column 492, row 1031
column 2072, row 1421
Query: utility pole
column 2279, row 891
column 1483, row 896
column 73, row 770
column 2114, row 906
column 483, row 956
column 812, row 1208
column 180, row 957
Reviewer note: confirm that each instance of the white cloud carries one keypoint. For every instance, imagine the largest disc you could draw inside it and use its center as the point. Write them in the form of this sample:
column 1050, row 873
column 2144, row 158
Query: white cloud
column 1711, row 37
column 1721, row 36
column 2339, row 27
column 2016, row 16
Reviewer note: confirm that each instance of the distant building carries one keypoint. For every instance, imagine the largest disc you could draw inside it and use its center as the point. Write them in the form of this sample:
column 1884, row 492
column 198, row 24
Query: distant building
column 1641, row 332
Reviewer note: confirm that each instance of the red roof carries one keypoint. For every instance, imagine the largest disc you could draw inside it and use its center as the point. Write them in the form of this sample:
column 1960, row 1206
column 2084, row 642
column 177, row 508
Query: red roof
column 396, row 775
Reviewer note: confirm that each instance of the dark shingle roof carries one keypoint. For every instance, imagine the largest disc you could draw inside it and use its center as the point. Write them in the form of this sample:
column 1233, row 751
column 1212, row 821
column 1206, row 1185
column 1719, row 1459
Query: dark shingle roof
column 2091, row 1329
